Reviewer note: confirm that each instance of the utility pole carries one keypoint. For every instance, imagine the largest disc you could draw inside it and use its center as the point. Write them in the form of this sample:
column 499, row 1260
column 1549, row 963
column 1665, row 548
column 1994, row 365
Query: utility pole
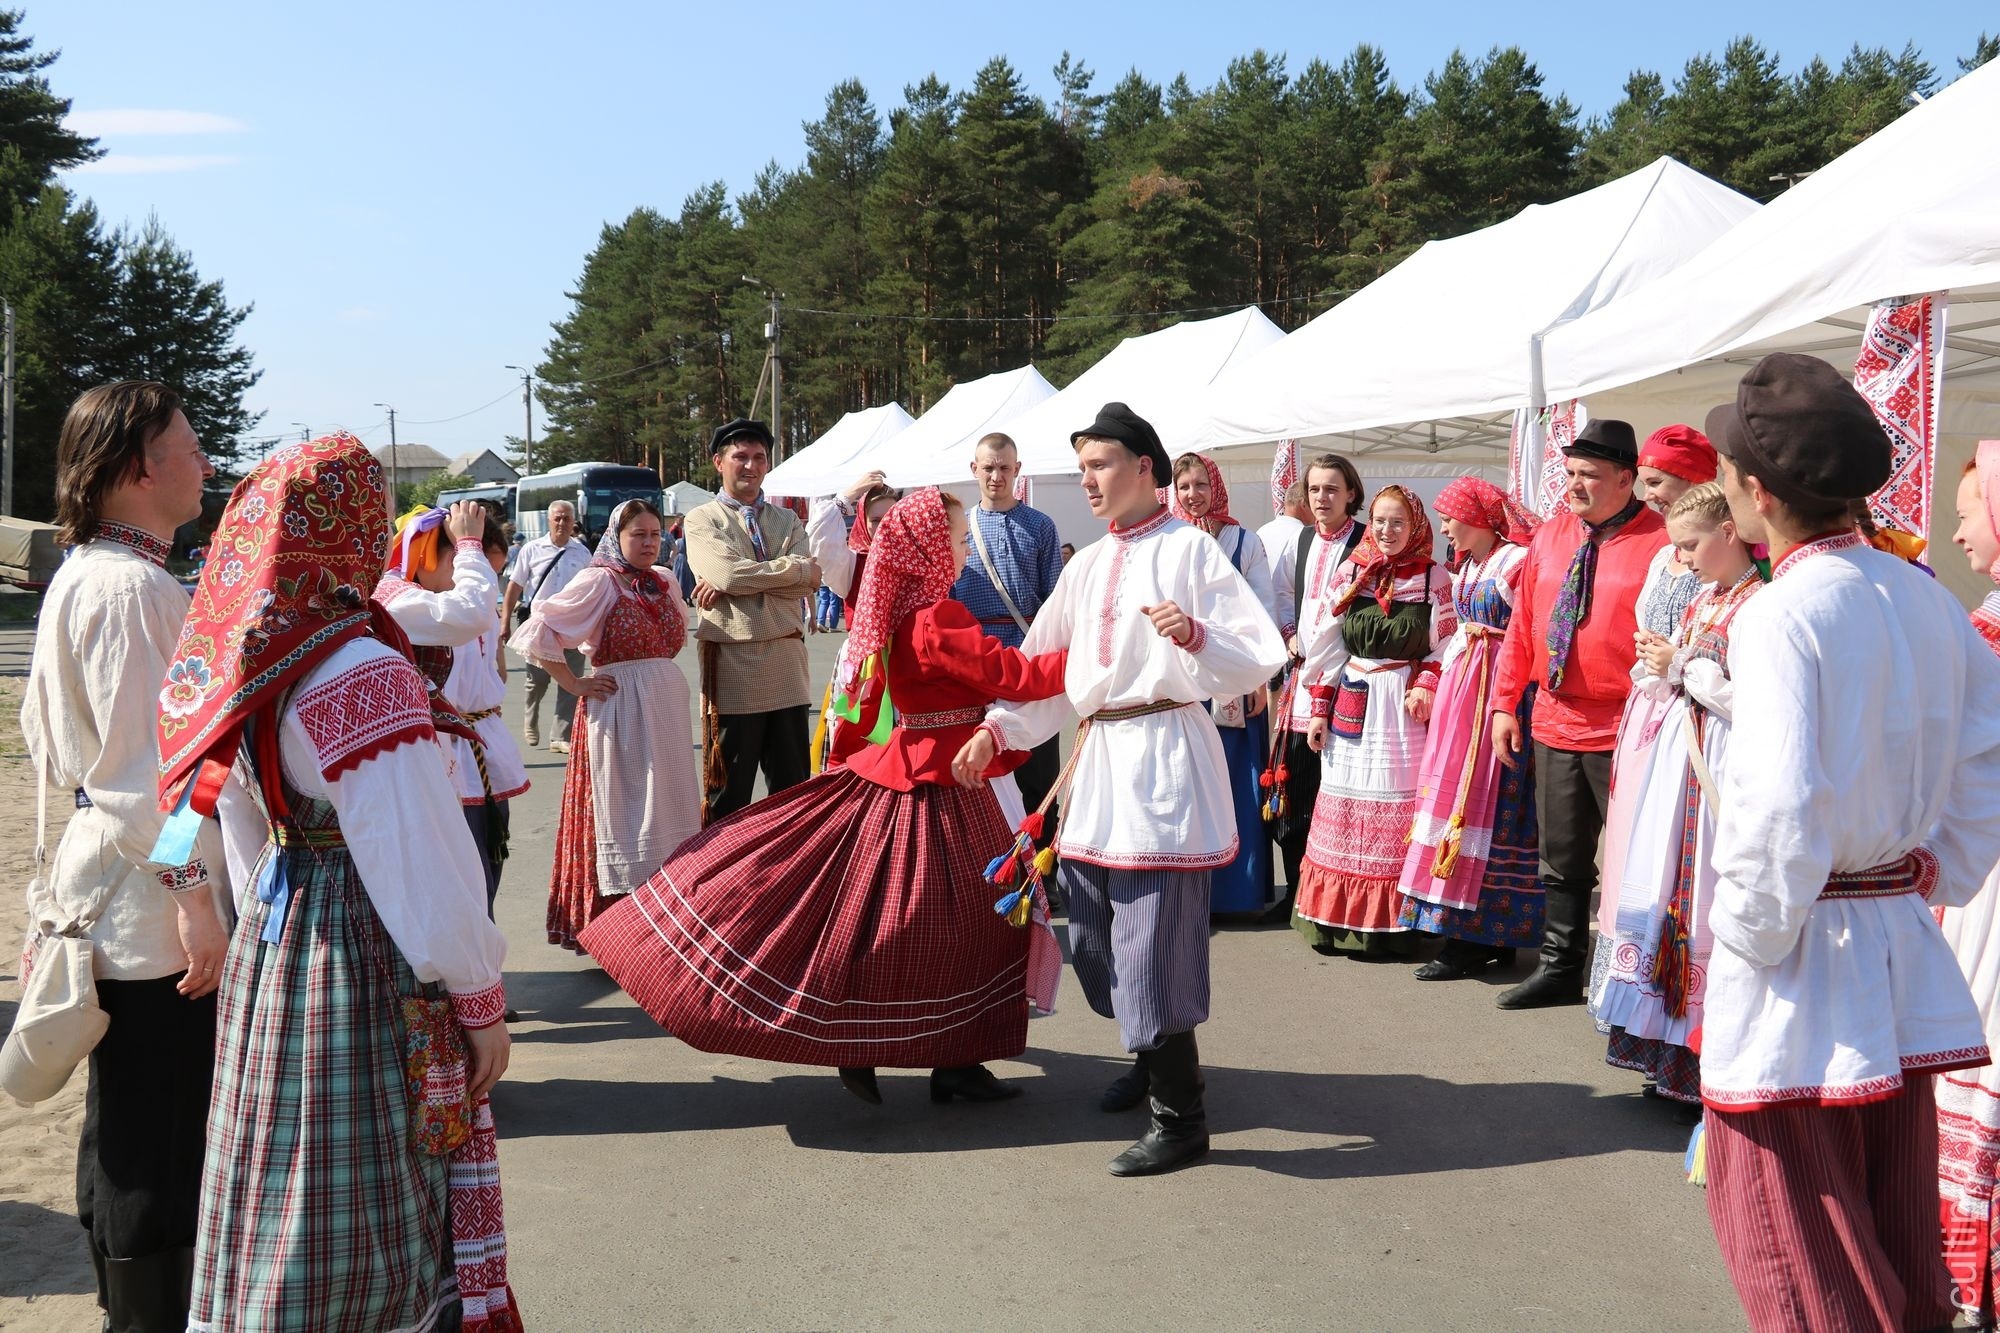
column 393, row 501
column 771, row 334
column 7, row 420
column 528, row 423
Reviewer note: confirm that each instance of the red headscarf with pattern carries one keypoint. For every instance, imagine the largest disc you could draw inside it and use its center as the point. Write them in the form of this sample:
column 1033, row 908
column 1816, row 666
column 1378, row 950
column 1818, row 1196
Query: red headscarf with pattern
column 1379, row 573
column 1479, row 502
column 910, row 566
column 287, row 581
column 1217, row 518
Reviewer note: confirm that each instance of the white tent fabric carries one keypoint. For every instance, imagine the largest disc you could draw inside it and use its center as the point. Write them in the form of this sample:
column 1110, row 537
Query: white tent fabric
column 824, row 467
column 1449, row 333
column 938, row 447
column 1157, row 375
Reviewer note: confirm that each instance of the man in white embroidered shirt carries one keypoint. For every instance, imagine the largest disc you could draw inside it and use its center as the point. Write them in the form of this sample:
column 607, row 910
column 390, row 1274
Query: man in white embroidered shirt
column 1156, row 621
column 1869, row 712
column 129, row 471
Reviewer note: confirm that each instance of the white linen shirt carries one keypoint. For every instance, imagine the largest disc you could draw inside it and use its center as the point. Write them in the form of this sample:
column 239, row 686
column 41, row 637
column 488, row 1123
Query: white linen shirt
column 532, row 561
column 457, row 618
column 1867, row 724
column 1150, row 792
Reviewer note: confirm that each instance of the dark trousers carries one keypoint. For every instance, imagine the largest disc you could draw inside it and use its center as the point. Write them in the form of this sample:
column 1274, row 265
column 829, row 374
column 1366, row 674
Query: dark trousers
column 1036, row 776
column 779, row 742
column 540, row 683
column 488, row 832
column 1301, row 794
column 145, row 1119
column 1572, row 792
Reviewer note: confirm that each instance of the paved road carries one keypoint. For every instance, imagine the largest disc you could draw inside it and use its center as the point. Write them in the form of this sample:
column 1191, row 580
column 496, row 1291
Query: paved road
column 1388, row 1155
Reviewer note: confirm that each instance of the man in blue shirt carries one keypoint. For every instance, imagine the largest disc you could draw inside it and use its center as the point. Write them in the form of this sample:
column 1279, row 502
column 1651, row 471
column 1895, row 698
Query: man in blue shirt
column 1015, row 561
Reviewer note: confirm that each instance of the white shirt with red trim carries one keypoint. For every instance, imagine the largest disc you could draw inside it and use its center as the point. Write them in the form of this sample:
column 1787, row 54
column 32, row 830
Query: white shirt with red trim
column 1150, row 792
column 356, row 732
column 1323, row 565
column 1867, row 726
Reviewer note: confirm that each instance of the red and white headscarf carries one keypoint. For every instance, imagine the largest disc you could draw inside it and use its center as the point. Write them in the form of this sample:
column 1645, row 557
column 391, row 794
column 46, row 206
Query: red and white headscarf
column 1284, row 471
column 1479, row 502
column 288, row 577
column 910, row 566
column 1377, row 573
column 1217, row 518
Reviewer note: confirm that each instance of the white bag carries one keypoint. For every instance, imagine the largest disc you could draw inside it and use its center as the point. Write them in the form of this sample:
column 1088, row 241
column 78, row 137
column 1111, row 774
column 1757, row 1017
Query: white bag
column 59, row 1022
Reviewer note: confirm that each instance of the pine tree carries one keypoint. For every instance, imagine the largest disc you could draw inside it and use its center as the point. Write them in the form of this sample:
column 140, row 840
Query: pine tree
column 34, row 142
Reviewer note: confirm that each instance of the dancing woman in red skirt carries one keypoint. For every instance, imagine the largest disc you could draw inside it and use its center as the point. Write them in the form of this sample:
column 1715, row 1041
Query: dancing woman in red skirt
column 847, row 921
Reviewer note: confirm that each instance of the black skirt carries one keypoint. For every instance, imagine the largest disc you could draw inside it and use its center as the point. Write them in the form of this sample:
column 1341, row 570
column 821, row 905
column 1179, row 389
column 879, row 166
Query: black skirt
column 145, row 1119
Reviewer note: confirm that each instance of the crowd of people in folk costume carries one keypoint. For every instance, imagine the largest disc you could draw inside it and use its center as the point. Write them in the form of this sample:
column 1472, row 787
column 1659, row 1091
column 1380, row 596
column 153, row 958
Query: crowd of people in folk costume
column 292, row 798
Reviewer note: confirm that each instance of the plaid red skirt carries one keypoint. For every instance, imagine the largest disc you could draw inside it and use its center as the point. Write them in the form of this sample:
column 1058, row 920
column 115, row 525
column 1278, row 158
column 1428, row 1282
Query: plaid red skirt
column 836, row 923
column 573, row 895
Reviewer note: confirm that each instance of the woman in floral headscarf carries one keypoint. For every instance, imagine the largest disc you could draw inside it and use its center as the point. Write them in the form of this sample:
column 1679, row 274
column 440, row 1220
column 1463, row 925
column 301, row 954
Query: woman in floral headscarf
column 1245, row 884
column 1471, row 873
column 630, row 795
column 1372, row 669
column 847, row 921
column 332, row 1195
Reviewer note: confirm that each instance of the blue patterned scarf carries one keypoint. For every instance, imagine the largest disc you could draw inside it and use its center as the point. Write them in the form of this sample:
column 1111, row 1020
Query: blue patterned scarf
column 1573, row 602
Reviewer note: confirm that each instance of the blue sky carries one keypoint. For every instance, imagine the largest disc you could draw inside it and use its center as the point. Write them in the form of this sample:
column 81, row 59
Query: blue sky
column 405, row 191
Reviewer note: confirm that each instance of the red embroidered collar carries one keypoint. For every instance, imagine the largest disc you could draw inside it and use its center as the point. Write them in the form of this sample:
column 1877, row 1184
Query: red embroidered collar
column 1839, row 541
column 1151, row 525
column 136, row 540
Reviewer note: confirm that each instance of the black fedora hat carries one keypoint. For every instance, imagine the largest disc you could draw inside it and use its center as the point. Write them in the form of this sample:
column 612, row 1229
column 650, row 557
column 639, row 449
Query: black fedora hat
column 1609, row 439
column 1115, row 421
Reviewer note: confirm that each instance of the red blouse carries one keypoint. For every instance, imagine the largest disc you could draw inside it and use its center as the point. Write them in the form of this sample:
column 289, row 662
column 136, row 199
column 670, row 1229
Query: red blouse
column 943, row 672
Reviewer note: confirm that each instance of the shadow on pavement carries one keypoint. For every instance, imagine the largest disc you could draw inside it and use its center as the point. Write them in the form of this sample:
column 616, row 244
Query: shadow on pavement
column 44, row 1253
column 1386, row 1124
column 562, row 998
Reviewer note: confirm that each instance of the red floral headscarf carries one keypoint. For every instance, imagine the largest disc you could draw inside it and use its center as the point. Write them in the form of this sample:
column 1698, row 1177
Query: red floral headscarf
column 910, row 566
column 1217, row 518
column 287, row 581
column 1479, row 502
column 1378, row 574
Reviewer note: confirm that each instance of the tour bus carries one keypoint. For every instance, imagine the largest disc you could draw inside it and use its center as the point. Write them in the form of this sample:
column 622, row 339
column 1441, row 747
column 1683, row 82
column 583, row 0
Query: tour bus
column 594, row 488
column 497, row 496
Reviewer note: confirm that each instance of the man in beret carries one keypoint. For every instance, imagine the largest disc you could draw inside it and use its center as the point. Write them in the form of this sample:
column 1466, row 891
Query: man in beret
column 1156, row 621
column 1571, row 637
column 752, row 573
column 1867, row 716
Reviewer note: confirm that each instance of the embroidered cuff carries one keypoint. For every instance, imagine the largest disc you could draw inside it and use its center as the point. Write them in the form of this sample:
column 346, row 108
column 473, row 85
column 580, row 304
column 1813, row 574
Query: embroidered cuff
column 179, row 879
column 1197, row 637
column 481, row 1009
column 992, row 729
column 470, row 546
column 1322, row 700
column 1677, row 669
column 1927, row 871
column 1426, row 677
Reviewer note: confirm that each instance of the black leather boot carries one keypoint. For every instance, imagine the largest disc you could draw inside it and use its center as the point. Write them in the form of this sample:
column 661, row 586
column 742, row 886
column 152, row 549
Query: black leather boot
column 1558, row 977
column 1458, row 960
column 1543, row 990
column 975, row 1083
column 1128, row 1089
column 861, row 1082
column 1179, row 1132
column 149, row 1294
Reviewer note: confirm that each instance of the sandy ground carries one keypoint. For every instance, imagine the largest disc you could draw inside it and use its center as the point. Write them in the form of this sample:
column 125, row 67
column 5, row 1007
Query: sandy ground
column 1388, row 1155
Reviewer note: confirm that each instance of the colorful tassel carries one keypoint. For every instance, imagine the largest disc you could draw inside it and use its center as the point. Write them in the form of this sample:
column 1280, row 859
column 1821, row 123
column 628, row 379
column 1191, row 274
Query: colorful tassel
column 1024, row 904
column 1031, row 827
column 1045, row 862
column 1695, row 1163
column 1006, row 906
column 1448, row 845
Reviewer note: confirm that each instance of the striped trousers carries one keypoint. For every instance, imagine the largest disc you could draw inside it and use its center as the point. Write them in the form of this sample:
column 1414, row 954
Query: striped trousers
column 1828, row 1215
column 1139, row 942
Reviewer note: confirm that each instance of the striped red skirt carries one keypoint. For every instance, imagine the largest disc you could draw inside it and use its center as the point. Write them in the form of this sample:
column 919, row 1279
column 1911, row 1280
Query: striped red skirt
column 835, row 923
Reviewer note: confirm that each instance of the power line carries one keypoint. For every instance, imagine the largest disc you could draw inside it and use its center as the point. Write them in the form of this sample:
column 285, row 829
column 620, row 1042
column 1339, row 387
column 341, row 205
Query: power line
column 509, row 393
column 1057, row 319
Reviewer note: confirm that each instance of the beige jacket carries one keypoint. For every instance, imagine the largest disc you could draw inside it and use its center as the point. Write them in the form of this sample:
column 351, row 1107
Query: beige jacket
column 760, row 620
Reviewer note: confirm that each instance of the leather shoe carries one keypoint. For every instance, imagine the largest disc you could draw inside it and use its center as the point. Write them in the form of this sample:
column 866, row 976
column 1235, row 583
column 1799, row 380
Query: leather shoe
column 1128, row 1089
column 1542, row 990
column 975, row 1083
column 1458, row 960
column 1178, row 1133
column 861, row 1082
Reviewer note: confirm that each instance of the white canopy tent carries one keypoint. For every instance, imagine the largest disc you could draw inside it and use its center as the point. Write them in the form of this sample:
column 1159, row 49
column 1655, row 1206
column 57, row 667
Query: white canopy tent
column 1913, row 209
column 1437, row 353
column 826, row 465
column 1155, row 374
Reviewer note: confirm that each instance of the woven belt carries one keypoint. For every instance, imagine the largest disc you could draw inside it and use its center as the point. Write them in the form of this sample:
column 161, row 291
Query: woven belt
column 1889, row 881
column 1130, row 711
column 951, row 717
column 480, row 715
column 323, row 839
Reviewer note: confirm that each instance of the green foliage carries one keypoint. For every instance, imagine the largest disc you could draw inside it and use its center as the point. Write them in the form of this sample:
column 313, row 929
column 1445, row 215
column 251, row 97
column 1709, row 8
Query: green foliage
column 970, row 231
column 90, row 305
